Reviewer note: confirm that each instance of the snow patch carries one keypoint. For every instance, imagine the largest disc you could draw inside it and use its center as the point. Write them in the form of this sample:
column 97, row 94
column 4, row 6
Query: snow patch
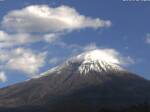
column 98, row 61
column 91, row 61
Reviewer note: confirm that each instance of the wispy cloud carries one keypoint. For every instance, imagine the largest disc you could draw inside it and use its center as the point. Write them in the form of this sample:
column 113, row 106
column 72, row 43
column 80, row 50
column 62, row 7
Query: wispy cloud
column 3, row 77
column 56, row 60
column 148, row 38
column 90, row 46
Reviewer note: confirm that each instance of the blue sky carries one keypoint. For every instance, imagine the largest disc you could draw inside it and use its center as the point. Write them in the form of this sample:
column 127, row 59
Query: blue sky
column 25, row 31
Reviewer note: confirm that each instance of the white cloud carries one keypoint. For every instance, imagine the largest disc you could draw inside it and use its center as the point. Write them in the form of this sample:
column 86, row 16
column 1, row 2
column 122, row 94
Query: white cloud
column 42, row 18
column 109, row 54
column 27, row 61
column 148, row 38
column 9, row 40
column 24, row 60
column 43, row 23
column 50, row 37
column 3, row 77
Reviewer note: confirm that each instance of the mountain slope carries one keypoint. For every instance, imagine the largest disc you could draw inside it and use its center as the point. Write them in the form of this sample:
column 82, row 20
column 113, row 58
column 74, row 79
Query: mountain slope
column 85, row 83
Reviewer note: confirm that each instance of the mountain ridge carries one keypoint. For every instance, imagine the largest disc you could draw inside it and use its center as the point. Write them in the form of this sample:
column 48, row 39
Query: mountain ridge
column 64, row 88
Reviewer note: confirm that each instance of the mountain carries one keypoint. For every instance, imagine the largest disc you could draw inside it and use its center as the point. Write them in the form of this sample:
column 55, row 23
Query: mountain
column 88, row 82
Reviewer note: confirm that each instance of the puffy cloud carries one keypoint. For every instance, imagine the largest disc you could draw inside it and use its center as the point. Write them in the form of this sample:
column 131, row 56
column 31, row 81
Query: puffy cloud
column 27, row 61
column 9, row 40
column 42, row 18
column 43, row 23
column 148, row 38
column 3, row 77
column 24, row 60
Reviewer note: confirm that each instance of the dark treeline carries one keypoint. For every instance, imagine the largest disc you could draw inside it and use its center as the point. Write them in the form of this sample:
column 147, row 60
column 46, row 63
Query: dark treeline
column 136, row 108
column 145, row 107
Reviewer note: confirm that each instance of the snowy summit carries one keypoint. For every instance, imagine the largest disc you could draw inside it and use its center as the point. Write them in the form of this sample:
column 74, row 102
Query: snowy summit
column 97, row 60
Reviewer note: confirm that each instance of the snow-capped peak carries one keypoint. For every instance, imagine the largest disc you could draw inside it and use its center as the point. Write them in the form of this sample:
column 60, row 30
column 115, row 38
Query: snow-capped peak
column 103, row 55
column 97, row 60
column 103, row 60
